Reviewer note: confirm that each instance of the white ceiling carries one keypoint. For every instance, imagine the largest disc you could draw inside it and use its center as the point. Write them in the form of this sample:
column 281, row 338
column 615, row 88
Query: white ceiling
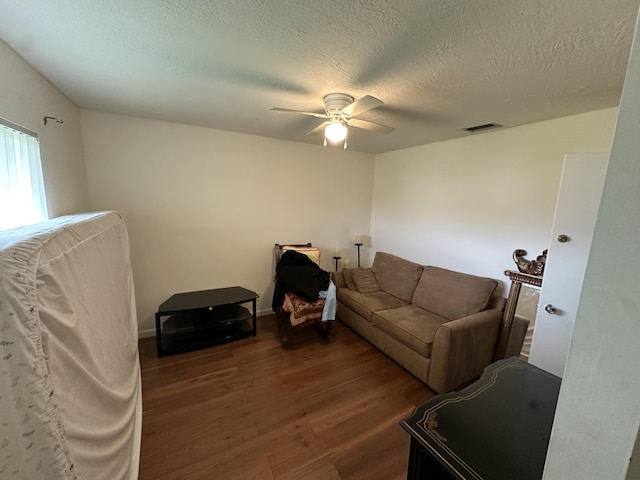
column 438, row 65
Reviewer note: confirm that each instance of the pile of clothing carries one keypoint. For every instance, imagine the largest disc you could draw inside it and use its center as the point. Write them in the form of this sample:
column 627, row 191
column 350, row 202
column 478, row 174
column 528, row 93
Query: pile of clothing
column 303, row 290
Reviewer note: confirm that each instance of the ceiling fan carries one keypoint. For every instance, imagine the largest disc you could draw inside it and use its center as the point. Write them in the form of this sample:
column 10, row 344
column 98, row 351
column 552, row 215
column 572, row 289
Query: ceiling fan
column 340, row 112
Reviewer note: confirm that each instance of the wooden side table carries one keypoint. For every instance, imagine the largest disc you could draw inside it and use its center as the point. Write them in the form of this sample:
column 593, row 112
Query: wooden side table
column 498, row 428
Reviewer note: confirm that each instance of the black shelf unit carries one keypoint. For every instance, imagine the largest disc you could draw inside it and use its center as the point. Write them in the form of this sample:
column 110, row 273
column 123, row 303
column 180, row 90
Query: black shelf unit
column 194, row 320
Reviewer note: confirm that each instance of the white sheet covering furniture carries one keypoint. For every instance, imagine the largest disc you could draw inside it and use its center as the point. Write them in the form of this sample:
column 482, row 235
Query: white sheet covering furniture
column 70, row 389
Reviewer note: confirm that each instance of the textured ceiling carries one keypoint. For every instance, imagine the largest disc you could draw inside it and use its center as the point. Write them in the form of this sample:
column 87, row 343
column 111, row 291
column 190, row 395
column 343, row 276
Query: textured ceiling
column 438, row 65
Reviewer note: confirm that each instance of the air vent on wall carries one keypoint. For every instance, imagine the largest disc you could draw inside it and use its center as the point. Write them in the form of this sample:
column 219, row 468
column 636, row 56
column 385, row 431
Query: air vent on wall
column 481, row 128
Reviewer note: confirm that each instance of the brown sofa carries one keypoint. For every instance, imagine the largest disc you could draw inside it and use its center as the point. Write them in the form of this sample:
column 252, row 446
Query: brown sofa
column 440, row 325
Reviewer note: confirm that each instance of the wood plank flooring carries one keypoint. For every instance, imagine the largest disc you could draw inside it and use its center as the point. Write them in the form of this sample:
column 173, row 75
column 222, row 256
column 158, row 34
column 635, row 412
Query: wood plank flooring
column 324, row 409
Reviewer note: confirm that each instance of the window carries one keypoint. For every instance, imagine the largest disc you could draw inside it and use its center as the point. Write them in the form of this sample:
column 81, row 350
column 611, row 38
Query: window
column 22, row 199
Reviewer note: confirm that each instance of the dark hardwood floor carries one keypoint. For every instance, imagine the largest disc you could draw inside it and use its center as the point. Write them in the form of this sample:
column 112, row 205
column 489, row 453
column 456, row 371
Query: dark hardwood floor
column 251, row 409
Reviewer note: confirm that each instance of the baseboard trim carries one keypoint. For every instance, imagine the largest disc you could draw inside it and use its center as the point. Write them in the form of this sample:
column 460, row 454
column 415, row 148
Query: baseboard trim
column 151, row 332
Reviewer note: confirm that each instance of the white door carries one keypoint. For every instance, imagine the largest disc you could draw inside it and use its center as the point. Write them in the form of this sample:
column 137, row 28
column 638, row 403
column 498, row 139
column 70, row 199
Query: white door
column 576, row 211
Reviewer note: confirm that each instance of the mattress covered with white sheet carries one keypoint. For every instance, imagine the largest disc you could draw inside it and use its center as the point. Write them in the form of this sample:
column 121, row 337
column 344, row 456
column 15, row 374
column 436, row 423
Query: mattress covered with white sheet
column 70, row 389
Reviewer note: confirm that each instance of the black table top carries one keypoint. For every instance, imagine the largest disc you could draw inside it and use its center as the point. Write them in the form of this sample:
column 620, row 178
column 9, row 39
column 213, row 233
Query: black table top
column 181, row 302
column 497, row 428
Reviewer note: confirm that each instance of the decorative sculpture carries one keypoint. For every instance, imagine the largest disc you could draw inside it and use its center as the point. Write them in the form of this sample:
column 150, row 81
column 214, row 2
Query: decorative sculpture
column 530, row 267
column 530, row 273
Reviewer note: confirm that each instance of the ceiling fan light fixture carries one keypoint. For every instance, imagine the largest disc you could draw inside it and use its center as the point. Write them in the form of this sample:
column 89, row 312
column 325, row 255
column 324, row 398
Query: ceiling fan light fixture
column 341, row 112
column 335, row 132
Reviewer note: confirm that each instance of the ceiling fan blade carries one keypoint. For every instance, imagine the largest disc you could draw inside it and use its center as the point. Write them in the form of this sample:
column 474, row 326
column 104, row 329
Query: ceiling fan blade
column 362, row 105
column 376, row 127
column 319, row 129
column 287, row 110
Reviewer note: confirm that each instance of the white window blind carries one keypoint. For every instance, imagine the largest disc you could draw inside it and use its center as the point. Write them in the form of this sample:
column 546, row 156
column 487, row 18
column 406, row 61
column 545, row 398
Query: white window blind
column 22, row 198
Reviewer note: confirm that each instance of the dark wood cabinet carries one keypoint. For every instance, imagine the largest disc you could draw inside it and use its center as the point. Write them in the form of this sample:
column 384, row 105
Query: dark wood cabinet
column 496, row 429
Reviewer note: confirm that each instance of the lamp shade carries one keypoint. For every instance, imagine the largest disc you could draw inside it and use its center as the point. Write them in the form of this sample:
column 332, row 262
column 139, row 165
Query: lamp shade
column 335, row 132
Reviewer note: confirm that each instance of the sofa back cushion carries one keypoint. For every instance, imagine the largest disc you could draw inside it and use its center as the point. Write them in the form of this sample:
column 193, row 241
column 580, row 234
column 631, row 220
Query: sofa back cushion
column 365, row 280
column 347, row 274
column 396, row 275
column 452, row 294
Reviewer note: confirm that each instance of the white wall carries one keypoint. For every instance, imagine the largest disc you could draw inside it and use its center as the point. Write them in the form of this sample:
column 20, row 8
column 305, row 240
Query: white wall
column 595, row 433
column 26, row 97
column 467, row 204
column 204, row 207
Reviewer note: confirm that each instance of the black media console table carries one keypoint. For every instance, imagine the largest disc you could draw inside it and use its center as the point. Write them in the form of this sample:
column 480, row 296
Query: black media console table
column 203, row 319
column 498, row 428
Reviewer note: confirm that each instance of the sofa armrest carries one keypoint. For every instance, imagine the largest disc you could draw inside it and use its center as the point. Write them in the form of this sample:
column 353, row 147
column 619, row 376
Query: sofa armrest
column 338, row 279
column 462, row 349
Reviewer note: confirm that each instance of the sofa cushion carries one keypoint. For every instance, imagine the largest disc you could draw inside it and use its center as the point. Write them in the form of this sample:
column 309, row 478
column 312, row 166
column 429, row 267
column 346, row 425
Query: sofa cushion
column 452, row 294
column 396, row 275
column 366, row 304
column 347, row 274
column 411, row 325
column 365, row 280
